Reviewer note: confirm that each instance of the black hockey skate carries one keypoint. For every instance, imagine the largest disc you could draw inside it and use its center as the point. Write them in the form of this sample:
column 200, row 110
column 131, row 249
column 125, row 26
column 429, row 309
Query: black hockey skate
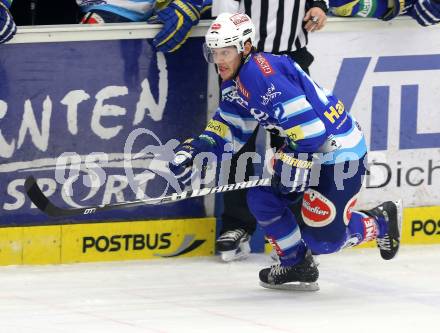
column 234, row 245
column 391, row 212
column 301, row 277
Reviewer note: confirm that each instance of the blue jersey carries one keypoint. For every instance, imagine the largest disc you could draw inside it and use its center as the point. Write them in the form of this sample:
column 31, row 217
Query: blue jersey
column 275, row 92
column 134, row 10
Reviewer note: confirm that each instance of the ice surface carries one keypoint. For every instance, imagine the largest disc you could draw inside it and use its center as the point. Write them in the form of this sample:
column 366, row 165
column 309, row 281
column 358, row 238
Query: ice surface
column 359, row 293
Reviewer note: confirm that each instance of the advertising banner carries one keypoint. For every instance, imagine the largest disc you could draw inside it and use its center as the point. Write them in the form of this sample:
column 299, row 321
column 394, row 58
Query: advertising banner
column 389, row 79
column 95, row 123
column 108, row 241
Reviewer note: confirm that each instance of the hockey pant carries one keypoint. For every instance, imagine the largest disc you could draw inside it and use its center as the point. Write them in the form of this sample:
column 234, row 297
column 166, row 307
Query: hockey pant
column 326, row 222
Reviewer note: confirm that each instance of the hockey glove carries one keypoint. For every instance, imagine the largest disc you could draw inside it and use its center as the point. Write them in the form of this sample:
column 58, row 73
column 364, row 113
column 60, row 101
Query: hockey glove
column 426, row 12
column 182, row 163
column 7, row 24
column 291, row 171
column 178, row 18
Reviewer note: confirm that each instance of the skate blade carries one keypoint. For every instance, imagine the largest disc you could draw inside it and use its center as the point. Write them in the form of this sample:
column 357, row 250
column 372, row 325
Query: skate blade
column 294, row 286
column 399, row 205
column 228, row 256
column 243, row 251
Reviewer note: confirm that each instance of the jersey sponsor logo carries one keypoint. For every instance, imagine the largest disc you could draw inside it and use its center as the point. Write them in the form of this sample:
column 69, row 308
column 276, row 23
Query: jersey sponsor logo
column 217, row 127
column 231, row 95
column 239, row 19
column 264, row 65
column 270, row 95
column 348, row 210
column 335, row 112
column 295, row 133
column 317, row 210
column 241, row 88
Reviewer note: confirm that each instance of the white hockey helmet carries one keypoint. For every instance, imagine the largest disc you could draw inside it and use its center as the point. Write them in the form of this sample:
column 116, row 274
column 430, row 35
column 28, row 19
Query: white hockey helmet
column 230, row 30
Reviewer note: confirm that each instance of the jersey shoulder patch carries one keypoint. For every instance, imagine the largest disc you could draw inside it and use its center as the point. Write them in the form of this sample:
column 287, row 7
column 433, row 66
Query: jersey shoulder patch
column 263, row 64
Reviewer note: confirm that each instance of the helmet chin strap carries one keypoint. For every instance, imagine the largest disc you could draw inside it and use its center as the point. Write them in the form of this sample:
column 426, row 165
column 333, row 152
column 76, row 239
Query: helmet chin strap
column 242, row 61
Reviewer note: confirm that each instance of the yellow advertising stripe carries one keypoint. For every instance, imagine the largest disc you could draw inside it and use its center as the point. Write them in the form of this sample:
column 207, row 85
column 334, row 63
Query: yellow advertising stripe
column 11, row 246
column 107, row 241
column 138, row 240
column 421, row 225
column 42, row 245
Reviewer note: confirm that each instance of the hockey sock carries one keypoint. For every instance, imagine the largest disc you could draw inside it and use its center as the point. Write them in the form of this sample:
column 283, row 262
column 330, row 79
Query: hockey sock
column 365, row 227
column 284, row 235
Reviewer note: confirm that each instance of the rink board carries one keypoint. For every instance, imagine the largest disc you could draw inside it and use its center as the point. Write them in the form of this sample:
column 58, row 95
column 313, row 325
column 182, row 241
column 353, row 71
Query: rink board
column 63, row 244
column 138, row 240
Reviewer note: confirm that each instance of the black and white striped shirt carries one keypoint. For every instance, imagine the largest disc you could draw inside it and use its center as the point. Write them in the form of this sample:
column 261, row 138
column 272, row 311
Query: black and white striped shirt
column 279, row 24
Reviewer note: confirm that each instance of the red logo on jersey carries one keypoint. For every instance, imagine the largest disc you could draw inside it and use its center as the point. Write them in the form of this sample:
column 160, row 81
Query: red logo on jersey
column 264, row 65
column 216, row 26
column 242, row 89
column 239, row 18
column 275, row 246
column 317, row 210
column 349, row 209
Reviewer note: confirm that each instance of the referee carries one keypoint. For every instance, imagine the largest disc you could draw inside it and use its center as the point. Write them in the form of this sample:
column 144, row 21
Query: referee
column 282, row 27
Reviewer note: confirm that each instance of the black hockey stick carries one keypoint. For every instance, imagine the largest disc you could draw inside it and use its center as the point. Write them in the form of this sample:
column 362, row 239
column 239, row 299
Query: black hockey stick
column 44, row 204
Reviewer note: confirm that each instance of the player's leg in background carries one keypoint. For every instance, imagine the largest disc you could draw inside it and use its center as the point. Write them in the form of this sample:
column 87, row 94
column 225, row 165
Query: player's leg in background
column 238, row 224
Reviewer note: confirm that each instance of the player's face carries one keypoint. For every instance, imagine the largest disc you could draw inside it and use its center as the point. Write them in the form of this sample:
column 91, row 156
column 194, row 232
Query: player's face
column 227, row 60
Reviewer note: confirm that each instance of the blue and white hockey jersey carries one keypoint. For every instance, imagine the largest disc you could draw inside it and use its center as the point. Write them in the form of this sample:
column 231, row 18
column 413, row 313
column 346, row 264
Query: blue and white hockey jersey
column 275, row 92
column 134, row 10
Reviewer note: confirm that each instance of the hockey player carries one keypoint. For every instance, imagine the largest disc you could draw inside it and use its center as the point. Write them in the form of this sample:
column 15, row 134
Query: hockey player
column 321, row 163
column 7, row 24
column 178, row 16
column 279, row 33
column 426, row 12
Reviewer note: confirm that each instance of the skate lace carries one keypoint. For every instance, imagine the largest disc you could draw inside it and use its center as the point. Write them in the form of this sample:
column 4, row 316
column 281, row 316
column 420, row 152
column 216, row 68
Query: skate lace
column 277, row 270
column 384, row 243
column 232, row 234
